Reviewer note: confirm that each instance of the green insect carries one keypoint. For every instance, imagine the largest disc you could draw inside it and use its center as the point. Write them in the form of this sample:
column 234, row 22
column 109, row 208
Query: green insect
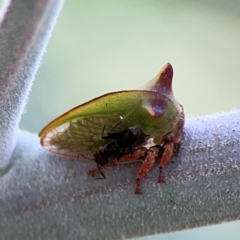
column 128, row 119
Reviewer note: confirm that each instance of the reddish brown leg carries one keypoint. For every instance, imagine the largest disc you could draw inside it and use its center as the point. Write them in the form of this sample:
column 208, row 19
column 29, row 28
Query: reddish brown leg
column 167, row 154
column 139, row 153
column 169, row 140
column 145, row 167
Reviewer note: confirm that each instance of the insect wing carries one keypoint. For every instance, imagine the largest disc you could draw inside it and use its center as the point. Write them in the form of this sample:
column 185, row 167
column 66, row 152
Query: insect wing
column 77, row 133
column 81, row 137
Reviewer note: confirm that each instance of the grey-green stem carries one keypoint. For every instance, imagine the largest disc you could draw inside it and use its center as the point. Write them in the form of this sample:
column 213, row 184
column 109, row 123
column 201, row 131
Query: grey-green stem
column 53, row 198
column 48, row 197
column 25, row 28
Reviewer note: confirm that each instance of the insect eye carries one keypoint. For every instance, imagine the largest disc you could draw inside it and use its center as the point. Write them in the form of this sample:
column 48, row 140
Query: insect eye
column 158, row 111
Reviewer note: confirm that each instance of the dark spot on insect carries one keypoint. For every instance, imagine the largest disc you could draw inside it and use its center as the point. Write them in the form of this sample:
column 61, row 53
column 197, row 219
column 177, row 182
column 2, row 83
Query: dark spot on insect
column 106, row 152
column 116, row 149
column 125, row 139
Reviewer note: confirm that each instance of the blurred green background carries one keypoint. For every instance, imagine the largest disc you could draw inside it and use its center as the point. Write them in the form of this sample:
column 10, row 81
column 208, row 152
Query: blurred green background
column 103, row 46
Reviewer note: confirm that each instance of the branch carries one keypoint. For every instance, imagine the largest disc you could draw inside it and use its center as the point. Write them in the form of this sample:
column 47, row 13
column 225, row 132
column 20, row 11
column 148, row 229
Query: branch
column 25, row 28
column 53, row 197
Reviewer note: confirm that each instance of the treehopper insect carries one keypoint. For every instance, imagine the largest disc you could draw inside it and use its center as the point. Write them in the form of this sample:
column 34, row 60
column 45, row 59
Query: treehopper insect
column 151, row 109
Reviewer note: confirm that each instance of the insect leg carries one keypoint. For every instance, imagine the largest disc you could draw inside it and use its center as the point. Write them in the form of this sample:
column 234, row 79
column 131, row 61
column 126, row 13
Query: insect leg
column 168, row 152
column 101, row 172
column 139, row 153
column 168, row 140
column 94, row 171
column 152, row 154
